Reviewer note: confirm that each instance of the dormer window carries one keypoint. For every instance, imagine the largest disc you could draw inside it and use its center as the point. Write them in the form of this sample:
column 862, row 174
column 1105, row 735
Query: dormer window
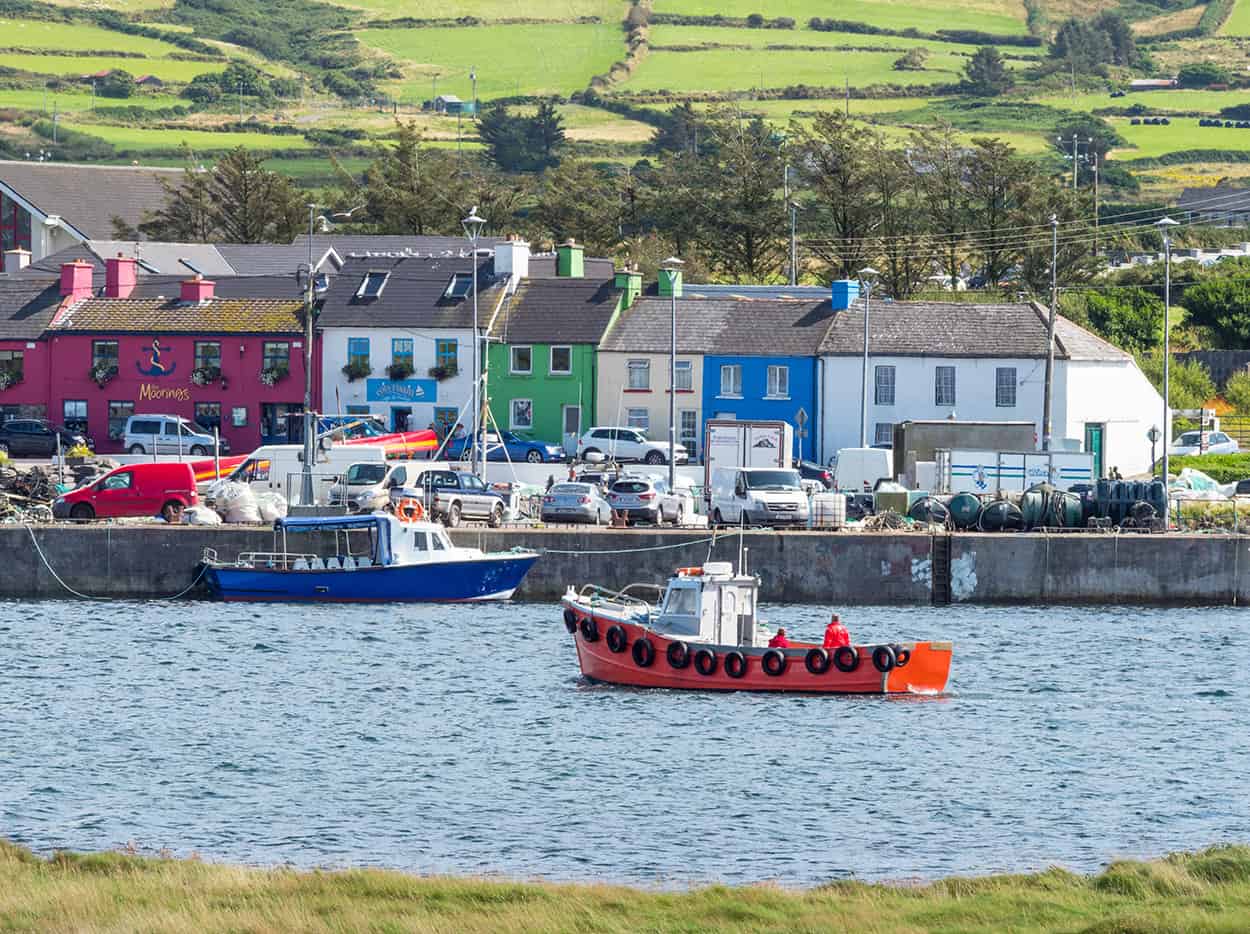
column 372, row 285
column 459, row 286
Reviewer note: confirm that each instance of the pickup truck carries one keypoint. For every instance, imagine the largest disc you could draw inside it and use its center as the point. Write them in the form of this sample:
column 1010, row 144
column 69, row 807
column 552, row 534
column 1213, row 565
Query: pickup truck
column 452, row 496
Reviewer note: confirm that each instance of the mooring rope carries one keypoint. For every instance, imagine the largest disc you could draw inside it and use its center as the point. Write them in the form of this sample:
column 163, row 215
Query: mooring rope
column 87, row 596
column 626, row 551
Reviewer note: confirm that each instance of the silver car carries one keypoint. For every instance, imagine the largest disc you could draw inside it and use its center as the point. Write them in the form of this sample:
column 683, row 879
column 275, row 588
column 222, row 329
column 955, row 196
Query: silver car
column 575, row 502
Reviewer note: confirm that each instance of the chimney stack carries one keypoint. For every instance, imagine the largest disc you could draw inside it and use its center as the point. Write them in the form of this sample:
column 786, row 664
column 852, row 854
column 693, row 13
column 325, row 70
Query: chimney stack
column 197, row 290
column 119, row 276
column 512, row 258
column 570, row 260
column 669, row 285
column 76, row 281
column 15, row 260
column 843, row 292
column 628, row 281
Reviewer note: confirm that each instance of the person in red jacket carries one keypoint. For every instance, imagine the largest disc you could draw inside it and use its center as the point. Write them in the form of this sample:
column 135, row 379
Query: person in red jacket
column 779, row 641
column 836, row 634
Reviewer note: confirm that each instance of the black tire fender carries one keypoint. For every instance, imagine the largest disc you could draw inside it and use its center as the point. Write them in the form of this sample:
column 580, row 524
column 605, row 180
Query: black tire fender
column 705, row 662
column 735, row 664
column 678, row 655
column 644, row 652
column 570, row 620
column 616, row 639
column 901, row 656
column 590, row 629
column 845, row 659
column 773, row 662
column 817, row 661
column 883, row 658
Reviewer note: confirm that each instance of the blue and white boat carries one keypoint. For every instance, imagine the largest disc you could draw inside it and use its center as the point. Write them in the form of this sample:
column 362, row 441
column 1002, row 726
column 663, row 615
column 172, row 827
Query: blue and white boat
column 376, row 558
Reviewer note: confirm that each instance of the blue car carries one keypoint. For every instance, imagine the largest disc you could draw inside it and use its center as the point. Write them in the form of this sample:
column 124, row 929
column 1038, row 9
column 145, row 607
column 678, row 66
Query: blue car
column 507, row 446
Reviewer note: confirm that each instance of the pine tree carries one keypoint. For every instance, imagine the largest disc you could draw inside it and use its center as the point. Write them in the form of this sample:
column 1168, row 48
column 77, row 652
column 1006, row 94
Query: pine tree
column 986, row 74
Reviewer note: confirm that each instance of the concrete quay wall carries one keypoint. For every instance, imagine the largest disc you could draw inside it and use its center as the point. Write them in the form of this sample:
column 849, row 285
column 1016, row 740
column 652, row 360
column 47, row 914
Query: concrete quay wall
column 796, row 567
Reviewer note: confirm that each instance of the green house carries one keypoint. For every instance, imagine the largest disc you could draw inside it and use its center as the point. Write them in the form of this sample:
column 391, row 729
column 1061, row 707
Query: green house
column 543, row 345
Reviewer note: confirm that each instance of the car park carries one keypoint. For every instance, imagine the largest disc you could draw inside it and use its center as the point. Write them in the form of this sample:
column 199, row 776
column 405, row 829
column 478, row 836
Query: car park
column 169, row 434
column 132, row 491
column 575, row 502
column 1194, row 442
column 649, row 499
column 627, row 445
column 34, row 437
column 506, row 446
column 452, row 496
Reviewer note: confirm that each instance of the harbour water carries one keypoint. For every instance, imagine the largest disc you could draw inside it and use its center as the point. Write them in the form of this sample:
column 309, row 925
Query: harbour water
column 458, row 739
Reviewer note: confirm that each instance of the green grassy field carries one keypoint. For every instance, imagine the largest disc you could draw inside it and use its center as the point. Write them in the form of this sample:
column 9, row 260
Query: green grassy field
column 137, row 139
column 71, row 66
column 560, row 10
column 76, row 101
column 1184, row 133
column 928, row 15
column 728, row 69
column 1206, row 102
column 665, row 35
column 532, row 59
column 1238, row 23
column 77, row 37
column 1208, row 891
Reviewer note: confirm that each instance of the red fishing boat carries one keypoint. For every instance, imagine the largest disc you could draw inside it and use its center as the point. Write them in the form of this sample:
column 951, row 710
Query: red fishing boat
column 701, row 633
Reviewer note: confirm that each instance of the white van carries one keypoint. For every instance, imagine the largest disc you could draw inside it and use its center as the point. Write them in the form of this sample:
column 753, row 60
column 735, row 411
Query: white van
column 169, row 434
column 758, row 496
column 367, row 485
column 859, row 469
column 279, row 468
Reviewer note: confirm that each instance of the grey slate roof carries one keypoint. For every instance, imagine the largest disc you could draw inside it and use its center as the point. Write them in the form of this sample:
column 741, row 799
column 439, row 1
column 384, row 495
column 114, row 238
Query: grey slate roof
column 27, row 307
column 170, row 259
column 397, row 244
column 543, row 266
column 722, row 326
column 214, row 261
column 412, row 296
column 276, row 259
column 547, row 311
column 258, row 287
column 88, row 197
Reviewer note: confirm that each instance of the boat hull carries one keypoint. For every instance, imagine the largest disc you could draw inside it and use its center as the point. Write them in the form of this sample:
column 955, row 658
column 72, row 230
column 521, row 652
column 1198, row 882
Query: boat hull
column 926, row 671
column 487, row 578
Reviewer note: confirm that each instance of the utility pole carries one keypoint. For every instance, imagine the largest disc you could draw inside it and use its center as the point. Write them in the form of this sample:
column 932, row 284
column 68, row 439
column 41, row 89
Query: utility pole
column 866, row 276
column 1075, row 141
column 473, row 78
column 847, row 79
column 794, row 250
column 306, row 496
column 1165, row 224
column 93, row 93
column 240, row 103
column 673, row 265
column 1095, row 204
column 1048, row 386
column 473, row 225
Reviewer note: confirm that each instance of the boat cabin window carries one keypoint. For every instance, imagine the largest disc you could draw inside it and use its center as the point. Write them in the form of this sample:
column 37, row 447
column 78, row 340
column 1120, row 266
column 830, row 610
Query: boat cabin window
column 681, row 611
column 418, row 542
column 365, row 474
column 439, row 541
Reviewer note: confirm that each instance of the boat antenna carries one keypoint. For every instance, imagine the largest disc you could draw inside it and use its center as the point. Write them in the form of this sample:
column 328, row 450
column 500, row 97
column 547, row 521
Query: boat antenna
column 742, row 523
column 711, row 545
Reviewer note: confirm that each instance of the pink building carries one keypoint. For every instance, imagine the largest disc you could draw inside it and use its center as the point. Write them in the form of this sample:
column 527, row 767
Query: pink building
column 236, row 364
column 27, row 307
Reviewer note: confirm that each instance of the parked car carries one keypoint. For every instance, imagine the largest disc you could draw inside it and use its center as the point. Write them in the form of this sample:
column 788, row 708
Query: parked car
column 627, row 444
column 367, row 486
column 575, row 502
column 1191, row 442
column 168, row 434
column 506, row 446
column 134, row 490
column 454, row 495
column 809, row 470
column 650, row 499
column 34, row 437
column 758, row 496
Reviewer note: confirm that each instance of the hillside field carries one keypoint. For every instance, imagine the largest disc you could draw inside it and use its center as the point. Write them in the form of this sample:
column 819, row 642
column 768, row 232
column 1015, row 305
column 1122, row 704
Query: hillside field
column 1005, row 16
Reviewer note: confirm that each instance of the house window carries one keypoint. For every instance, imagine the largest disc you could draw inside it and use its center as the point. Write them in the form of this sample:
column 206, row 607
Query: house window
column 638, row 418
column 639, row 374
column 689, row 430
column 75, row 414
column 358, row 352
column 883, row 433
column 104, row 355
column 276, row 355
column 521, row 360
column 460, row 285
column 944, row 385
column 522, row 414
column 238, row 416
column 685, row 376
column 731, row 380
column 208, row 415
column 779, row 382
column 884, row 392
column 11, row 363
column 1005, row 387
column 562, row 360
column 358, row 410
column 119, row 412
column 401, row 351
column 208, row 355
column 447, row 355
column 372, row 284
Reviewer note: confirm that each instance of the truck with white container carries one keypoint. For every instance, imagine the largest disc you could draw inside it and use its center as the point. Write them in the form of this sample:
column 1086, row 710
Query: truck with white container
column 967, row 471
column 735, row 443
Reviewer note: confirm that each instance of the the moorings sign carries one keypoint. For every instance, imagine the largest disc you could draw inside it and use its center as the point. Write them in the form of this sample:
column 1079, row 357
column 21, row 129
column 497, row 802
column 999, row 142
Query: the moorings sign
column 402, row 390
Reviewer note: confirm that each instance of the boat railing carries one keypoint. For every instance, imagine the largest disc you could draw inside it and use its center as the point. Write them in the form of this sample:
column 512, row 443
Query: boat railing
column 277, row 560
column 621, row 599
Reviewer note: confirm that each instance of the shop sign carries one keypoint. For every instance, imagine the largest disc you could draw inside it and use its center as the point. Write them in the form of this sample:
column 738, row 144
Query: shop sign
column 401, row 390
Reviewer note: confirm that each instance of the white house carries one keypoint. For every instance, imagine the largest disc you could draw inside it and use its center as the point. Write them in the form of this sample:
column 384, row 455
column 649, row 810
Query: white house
column 982, row 362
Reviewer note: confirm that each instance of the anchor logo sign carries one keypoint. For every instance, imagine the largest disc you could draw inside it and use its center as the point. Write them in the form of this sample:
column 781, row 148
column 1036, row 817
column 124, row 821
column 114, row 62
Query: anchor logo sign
column 981, row 482
column 156, row 367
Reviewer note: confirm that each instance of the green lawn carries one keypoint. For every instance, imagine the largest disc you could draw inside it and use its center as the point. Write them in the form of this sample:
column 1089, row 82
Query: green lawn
column 76, row 65
column 1207, row 102
column 558, row 11
column 1183, row 133
column 137, row 139
column 74, row 101
column 530, row 59
column 77, row 37
column 665, row 35
column 728, row 69
column 1238, row 23
column 1003, row 16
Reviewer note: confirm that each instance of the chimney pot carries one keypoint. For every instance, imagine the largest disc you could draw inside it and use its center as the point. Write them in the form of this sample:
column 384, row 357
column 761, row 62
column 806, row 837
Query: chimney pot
column 570, row 260
column 843, row 292
column 76, row 280
column 119, row 276
column 197, row 290
column 15, row 260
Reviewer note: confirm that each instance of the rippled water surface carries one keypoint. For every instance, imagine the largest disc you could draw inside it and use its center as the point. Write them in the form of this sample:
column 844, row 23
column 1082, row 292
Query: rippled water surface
column 461, row 740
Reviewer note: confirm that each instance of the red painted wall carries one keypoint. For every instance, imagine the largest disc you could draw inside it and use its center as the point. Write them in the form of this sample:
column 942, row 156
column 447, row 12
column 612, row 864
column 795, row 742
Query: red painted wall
column 173, row 392
column 33, row 389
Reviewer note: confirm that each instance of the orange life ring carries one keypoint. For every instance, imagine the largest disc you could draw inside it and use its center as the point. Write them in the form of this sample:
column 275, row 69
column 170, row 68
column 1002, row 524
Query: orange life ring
column 409, row 510
column 690, row 572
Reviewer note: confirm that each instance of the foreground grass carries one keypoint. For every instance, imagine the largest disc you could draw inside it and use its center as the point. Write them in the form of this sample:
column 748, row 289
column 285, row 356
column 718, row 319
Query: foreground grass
column 1207, row 891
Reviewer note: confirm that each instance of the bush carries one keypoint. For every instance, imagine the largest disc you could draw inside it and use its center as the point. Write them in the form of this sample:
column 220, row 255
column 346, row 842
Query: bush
column 1237, row 392
column 755, row 21
column 1201, row 75
column 1222, row 468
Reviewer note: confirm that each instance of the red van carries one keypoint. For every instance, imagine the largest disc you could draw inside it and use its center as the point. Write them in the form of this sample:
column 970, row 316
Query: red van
column 136, row 490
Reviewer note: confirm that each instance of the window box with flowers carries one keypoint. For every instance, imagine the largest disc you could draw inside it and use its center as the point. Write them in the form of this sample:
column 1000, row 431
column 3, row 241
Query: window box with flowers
column 272, row 375
column 9, row 378
column 443, row 371
column 356, row 369
column 103, row 374
column 398, row 371
column 203, row 375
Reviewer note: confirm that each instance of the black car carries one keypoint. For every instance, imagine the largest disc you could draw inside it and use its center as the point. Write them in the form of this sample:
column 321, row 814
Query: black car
column 33, row 437
column 810, row 470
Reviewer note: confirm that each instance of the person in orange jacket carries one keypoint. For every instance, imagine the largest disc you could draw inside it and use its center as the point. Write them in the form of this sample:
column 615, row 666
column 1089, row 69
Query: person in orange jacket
column 836, row 635
column 779, row 641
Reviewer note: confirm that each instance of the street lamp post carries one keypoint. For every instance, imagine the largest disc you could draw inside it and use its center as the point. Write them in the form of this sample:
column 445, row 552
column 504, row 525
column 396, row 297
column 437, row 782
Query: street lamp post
column 866, row 276
column 1048, row 384
column 673, row 265
column 306, row 477
column 1165, row 224
column 473, row 225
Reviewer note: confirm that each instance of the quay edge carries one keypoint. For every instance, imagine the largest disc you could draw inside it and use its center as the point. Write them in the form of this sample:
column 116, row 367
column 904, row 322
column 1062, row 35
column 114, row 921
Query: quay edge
column 827, row 568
